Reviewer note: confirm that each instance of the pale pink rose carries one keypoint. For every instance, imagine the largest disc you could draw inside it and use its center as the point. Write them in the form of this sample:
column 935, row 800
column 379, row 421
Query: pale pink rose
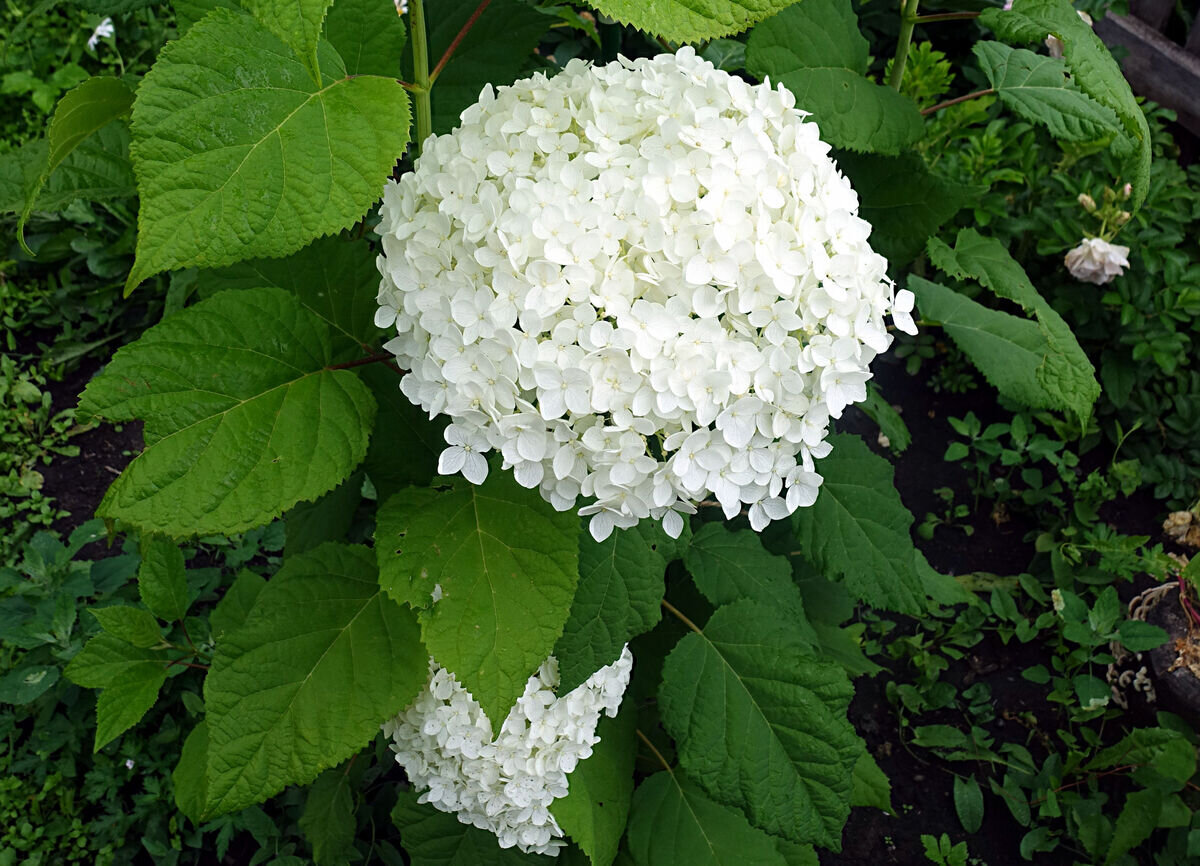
column 1097, row 261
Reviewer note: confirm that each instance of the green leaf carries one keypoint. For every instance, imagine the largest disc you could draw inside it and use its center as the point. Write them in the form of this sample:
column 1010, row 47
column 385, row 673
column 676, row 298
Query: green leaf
column 122, row 703
column 189, row 776
column 674, row 824
column 1092, row 69
column 81, row 112
column 789, row 767
column 597, row 803
column 334, row 278
column 727, row 565
column 1137, row 636
column 968, row 803
column 871, row 785
column 188, row 12
column 1138, row 818
column 233, row 608
column 620, row 592
column 878, row 409
column 816, row 50
column 243, row 420
column 480, row 58
column 1009, row 351
column 1038, row 88
column 107, row 659
column 1066, row 374
column 405, row 443
column 130, row 624
column 797, row 855
column 311, row 524
column 161, row 579
column 507, row 564
column 904, row 202
column 859, row 529
column 321, row 661
column 328, row 820
column 233, row 166
column 369, row 36
column 297, row 23
column 97, row 170
column 24, row 685
column 433, row 838
column 690, row 20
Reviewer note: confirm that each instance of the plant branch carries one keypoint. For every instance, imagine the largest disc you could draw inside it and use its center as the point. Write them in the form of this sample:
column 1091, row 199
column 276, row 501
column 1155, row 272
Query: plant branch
column 362, row 362
column 679, row 615
column 187, row 664
column 945, row 16
column 908, row 14
column 656, row 752
column 421, row 85
column 449, row 52
column 933, row 109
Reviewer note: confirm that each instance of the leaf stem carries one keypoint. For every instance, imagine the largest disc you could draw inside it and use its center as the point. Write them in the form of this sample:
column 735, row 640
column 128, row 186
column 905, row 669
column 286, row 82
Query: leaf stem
column 908, row 15
column 657, row 753
column 933, row 109
column 421, row 83
column 187, row 664
column 446, row 55
column 362, row 362
column 945, row 16
column 679, row 615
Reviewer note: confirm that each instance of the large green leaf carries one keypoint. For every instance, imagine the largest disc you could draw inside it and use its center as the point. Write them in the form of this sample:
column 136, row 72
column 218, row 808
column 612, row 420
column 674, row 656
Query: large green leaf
column 621, row 585
column 433, row 838
column 1065, row 374
column 321, row 661
column 1009, row 351
column 369, row 36
column 161, row 579
column 188, row 777
column 597, row 803
column 106, row 659
column 334, row 277
column 761, row 725
column 1092, row 68
column 859, row 529
column 904, row 202
column 690, row 20
column 81, row 112
column 297, row 23
column 239, row 154
column 311, row 524
column 1038, row 88
column 243, row 420
column 328, row 820
column 675, row 824
column 727, row 565
column 506, row 564
column 815, row 48
column 480, row 58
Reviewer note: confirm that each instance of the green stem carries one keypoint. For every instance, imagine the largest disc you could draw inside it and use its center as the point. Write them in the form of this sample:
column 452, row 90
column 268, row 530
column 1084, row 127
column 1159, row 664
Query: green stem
column 908, row 15
column 420, row 50
column 945, row 16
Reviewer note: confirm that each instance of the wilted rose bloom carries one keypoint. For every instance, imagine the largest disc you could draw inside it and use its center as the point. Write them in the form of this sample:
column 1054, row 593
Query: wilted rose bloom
column 1097, row 261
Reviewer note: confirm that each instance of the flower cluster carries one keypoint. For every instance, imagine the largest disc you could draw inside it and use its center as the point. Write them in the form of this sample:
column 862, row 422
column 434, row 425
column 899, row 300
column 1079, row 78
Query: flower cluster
column 506, row 784
column 644, row 283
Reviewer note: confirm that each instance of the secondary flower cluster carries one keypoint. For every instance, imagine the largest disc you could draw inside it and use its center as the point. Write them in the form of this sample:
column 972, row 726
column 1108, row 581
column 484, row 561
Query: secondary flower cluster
column 506, row 784
column 645, row 283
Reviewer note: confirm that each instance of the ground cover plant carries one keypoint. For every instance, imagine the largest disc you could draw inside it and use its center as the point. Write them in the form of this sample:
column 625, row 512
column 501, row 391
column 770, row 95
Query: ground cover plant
column 527, row 514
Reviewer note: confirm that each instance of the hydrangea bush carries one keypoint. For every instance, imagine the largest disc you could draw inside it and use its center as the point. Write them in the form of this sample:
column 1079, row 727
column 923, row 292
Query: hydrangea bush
column 624, row 304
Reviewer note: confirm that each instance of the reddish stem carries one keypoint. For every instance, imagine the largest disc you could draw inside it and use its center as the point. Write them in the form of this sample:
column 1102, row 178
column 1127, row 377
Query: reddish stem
column 362, row 362
column 457, row 39
column 933, row 109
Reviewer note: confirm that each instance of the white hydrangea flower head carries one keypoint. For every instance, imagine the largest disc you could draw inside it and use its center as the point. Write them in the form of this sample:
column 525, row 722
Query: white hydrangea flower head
column 1097, row 261
column 644, row 283
column 505, row 784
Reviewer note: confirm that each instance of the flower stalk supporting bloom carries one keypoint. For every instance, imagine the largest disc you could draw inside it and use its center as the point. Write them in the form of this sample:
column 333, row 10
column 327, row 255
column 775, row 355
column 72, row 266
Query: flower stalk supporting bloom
column 642, row 284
